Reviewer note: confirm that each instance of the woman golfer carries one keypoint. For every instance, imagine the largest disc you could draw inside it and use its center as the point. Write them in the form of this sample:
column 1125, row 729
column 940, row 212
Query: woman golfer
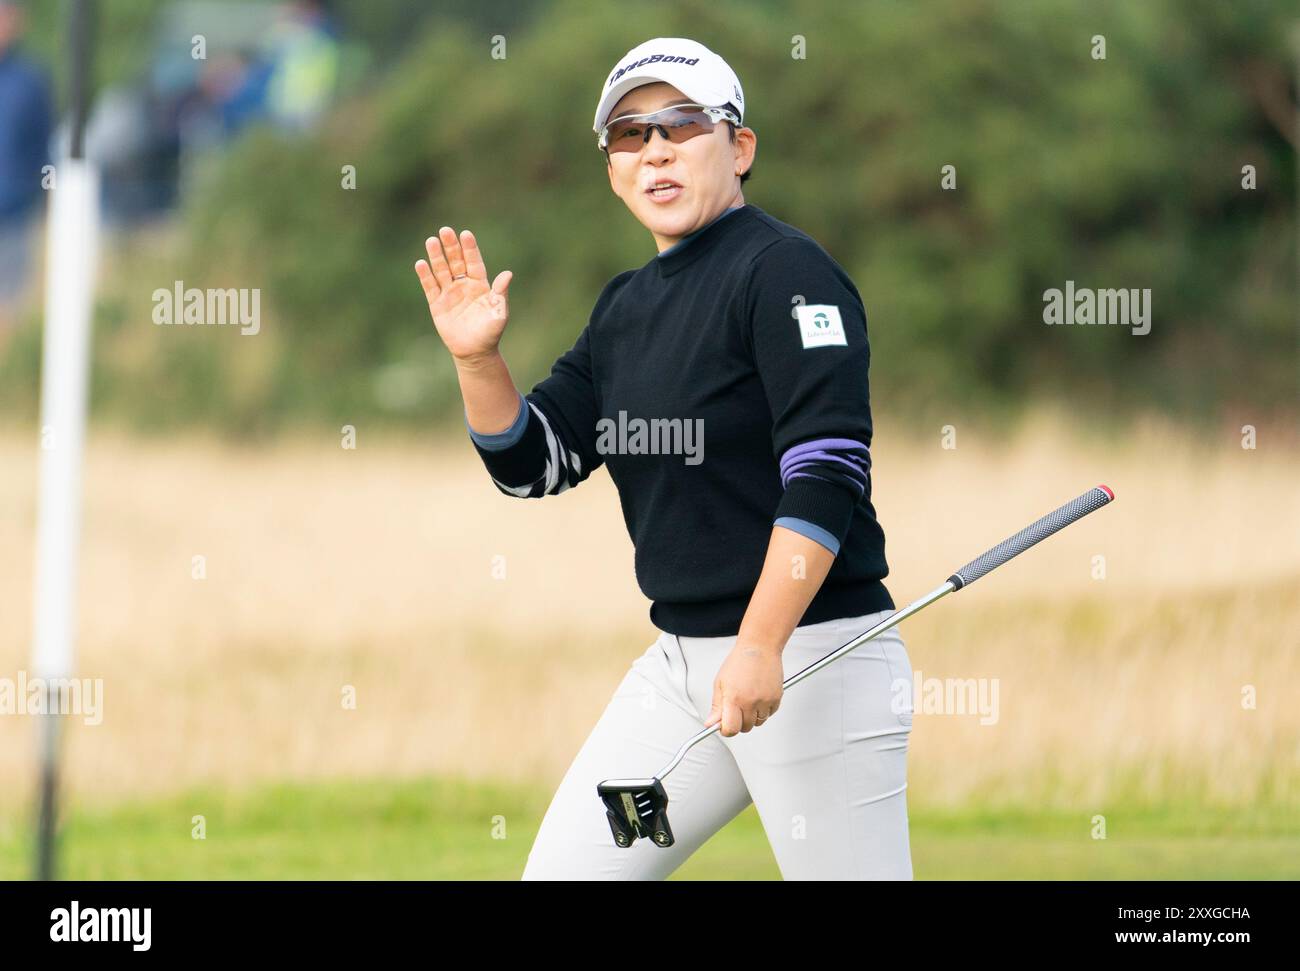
column 724, row 384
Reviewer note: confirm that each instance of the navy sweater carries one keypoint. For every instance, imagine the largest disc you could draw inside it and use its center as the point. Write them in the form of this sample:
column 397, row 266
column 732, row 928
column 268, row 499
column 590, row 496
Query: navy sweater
column 724, row 384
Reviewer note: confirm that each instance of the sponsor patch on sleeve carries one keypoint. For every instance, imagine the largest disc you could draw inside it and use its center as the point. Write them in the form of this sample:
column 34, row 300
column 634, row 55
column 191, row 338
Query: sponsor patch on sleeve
column 820, row 325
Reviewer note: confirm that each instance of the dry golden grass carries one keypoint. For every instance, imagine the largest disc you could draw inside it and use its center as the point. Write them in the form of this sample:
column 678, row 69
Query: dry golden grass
column 374, row 568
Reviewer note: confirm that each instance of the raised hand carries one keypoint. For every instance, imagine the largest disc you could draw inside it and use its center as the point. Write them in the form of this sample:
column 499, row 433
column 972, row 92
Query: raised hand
column 469, row 315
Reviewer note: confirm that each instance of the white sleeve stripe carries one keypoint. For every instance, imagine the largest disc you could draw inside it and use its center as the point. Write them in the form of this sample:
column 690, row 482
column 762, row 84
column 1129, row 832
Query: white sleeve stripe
column 553, row 462
column 520, row 491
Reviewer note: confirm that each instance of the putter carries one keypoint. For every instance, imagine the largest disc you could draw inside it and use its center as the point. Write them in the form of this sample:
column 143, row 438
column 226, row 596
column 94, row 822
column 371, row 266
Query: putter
column 639, row 807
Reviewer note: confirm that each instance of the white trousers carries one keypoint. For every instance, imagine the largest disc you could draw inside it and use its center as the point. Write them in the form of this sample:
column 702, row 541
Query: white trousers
column 827, row 772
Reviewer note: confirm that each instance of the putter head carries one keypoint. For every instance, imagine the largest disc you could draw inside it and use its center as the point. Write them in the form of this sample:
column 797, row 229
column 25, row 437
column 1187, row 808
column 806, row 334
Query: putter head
column 636, row 808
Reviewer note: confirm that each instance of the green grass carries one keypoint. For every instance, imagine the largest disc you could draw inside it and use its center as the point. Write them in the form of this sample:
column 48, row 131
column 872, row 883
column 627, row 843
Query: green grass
column 438, row 829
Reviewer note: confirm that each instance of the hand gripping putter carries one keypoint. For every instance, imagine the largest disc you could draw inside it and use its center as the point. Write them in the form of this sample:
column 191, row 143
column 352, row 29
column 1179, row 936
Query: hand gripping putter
column 639, row 807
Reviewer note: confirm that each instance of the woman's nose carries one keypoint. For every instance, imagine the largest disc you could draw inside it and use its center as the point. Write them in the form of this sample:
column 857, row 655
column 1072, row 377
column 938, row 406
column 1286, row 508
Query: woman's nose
column 649, row 138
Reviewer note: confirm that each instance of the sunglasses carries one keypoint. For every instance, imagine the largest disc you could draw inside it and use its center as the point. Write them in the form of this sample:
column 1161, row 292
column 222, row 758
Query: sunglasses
column 677, row 123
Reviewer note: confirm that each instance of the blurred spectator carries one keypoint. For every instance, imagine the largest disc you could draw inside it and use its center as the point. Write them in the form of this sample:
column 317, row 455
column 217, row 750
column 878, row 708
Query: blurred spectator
column 236, row 86
column 295, row 81
column 25, row 123
column 137, row 152
column 279, row 65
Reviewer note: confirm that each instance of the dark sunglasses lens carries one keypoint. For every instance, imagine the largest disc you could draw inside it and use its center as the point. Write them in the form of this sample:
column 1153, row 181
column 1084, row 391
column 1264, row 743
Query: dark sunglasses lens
column 626, row 136
column 680, row 124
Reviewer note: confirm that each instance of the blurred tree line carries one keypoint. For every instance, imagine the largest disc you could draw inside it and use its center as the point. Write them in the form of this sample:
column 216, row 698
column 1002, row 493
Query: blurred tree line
column 1125, row 172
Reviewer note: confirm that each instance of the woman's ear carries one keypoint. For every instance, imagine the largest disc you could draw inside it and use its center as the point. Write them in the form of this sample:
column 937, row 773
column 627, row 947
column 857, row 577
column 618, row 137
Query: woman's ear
column 746, row 148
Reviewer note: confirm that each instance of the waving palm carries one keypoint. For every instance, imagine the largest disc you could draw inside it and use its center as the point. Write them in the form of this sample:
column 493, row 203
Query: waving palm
column 469, row 316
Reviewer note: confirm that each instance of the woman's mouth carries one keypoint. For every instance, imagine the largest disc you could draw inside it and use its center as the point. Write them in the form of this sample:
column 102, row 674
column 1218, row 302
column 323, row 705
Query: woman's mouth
column 665, row 191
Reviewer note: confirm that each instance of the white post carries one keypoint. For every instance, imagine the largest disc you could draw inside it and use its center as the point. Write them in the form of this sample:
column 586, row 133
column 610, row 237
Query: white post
column 69, row 295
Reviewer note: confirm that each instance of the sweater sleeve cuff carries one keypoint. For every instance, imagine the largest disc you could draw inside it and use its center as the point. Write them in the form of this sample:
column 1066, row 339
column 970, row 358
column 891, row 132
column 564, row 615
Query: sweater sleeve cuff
column 823, row 504
column 502, row 440
column 812, row 531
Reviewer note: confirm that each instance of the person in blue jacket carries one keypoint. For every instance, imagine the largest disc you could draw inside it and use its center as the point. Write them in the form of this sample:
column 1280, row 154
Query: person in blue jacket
column 26, row 119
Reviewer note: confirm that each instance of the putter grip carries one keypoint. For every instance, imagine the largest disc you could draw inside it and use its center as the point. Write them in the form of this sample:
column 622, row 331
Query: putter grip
column 1076, row 509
